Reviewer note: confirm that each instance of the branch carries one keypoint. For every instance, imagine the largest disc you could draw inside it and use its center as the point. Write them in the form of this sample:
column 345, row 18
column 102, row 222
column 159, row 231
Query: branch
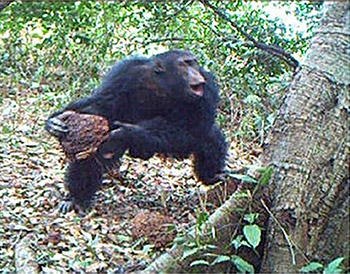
column 281, row 53
column 225, row 39
column 4, row 4
column 160, row 40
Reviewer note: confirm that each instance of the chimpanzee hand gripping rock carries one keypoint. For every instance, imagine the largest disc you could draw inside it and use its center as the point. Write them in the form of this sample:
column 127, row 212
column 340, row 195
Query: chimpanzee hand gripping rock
column 164, row 104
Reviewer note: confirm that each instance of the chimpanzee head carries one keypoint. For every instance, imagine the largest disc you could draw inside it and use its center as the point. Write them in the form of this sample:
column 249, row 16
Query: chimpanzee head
column 172, row 76
column 178, row 71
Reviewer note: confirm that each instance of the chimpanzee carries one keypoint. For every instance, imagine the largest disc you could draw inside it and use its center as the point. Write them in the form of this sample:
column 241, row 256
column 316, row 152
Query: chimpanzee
column 165, row 104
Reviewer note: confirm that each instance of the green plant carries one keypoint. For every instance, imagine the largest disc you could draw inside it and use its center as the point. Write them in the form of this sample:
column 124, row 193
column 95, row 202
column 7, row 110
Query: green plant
column 333, row 267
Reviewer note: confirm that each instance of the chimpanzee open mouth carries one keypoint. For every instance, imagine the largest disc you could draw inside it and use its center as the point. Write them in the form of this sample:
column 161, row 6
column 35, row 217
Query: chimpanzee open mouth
column 197, row 89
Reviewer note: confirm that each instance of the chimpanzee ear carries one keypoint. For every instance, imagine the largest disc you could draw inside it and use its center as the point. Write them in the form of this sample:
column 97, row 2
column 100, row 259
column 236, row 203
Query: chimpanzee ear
column 158, row 66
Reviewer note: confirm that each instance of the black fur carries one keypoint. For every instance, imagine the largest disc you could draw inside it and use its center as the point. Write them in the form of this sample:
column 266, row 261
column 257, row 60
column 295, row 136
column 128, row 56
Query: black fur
column 83, row 179
column 153, row 96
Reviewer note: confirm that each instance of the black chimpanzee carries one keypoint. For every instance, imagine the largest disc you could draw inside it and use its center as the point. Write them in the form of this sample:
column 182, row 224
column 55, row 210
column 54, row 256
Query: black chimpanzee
column 164, row 104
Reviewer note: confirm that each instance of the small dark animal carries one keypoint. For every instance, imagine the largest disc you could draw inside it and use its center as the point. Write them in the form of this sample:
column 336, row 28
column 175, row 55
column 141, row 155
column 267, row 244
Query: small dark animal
column 164, row 104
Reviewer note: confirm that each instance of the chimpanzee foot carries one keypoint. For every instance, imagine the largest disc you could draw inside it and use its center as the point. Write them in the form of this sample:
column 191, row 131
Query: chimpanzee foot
column 65, row 206
column 217, row 178
column 80, row 208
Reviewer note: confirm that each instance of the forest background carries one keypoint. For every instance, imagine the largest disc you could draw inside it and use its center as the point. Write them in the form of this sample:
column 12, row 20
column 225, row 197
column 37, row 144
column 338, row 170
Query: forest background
column 54, row 52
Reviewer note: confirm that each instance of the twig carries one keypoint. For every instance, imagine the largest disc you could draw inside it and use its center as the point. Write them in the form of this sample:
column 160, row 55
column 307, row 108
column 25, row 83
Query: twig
column 290, row 245
column 281, row 53
column 165, row 39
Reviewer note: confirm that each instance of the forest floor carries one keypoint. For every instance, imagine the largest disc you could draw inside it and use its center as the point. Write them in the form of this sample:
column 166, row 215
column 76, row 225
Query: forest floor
column 133, row 219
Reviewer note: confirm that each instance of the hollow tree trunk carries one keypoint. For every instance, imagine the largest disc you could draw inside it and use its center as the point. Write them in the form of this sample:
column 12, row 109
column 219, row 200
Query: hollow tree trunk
column 309, row 150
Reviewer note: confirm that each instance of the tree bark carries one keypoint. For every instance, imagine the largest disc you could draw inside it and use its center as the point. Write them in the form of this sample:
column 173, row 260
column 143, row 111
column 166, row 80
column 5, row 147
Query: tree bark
column 309, row 150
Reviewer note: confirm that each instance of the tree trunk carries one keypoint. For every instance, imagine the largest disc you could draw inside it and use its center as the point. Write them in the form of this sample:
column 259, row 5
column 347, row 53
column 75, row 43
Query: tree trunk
column 309, row 150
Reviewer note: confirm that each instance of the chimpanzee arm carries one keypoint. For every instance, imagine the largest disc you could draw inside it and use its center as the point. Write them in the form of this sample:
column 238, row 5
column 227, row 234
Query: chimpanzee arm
column 104, row 104
column 174, row 139
column 149, row 137
column 210, row 156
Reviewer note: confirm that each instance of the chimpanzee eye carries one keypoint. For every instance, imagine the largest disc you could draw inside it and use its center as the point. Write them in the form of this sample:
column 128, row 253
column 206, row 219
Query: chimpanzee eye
column 191, row 62
column 182, row 63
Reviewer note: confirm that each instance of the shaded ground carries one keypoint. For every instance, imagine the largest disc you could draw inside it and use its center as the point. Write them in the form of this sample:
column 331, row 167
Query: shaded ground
column 110, row 238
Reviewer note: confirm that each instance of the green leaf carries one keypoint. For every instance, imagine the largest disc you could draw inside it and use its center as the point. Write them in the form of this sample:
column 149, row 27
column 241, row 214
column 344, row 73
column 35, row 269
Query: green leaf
column 189, row 252
column 220, row 259
column 6, row 129
column 252, row 99
column 251, row 217
column 199, row 262
column 328, row 270
column 336, row 262
column 242, row 265
column 244, row 178
column 241, row 195
column 311, row 267
column 253, row 234
column 238, row 242
column 202, row 218
column 334, row 266
column 266, row 176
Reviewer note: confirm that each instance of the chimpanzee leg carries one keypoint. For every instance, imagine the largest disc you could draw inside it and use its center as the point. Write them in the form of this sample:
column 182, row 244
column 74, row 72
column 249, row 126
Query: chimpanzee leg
column 83, row 179
column 210, row 156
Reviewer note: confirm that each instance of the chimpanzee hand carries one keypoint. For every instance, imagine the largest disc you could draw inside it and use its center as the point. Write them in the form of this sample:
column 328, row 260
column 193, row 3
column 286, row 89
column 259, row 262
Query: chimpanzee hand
column 112, row 149
column 56, row 126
